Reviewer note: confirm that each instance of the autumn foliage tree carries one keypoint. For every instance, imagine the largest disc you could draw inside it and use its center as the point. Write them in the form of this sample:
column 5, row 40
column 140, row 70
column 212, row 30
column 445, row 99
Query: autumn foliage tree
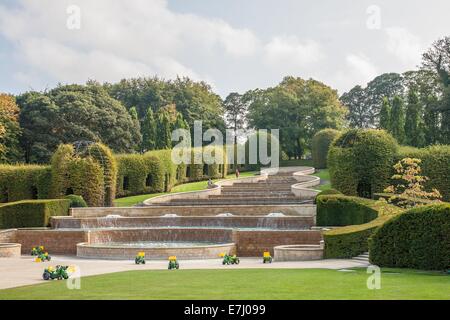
column 408, row 188
column 9, row 129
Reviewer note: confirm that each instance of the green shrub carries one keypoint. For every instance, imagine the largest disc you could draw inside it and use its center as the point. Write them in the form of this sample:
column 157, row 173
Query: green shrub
column 320, row 145
column 352, row 240
column 326, row 193
column 360, row 161
column 419, row 238
column 76, row 201
column 344, row 211
column 31, row 213
column 20, row 182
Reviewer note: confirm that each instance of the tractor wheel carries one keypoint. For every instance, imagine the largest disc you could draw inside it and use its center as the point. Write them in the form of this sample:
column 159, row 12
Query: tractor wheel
column 143, row 262
column 65, row 277
column 46, row 276
column 237, row 261
column 49, row 258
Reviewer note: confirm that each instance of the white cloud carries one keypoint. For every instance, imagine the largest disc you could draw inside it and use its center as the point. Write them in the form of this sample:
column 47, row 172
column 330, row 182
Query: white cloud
column 290, row 52
column 404, row 45
column 117, row 40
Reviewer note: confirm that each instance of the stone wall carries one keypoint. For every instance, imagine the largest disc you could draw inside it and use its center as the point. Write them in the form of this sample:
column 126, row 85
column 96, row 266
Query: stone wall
column 54, row 241
column 254, row 243
column 8, row 236
column 247, row 210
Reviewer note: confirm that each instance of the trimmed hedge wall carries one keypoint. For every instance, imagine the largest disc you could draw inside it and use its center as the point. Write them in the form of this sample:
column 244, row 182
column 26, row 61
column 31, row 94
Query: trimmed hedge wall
column 20, row 182
column 32, row 213
column 360, row 161
column 343, row 211
column 320, row 145
column 352, row 240
column 418, row 238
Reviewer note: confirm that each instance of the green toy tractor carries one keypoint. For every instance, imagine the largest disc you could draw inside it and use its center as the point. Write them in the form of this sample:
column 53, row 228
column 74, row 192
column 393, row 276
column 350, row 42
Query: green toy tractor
column 173, row 263
column 42, row 257
column 59, row 273
column 267, row 258
column 228, row 259
column 37, row 250
column 140, row 258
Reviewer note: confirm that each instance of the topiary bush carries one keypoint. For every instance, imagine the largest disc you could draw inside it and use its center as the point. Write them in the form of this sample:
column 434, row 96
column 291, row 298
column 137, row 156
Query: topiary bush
column 76, row 201
column 320, row 145
column 360, row 161
column 326, row 193
column 32, row 213
column 352, row 240
column 419, row 238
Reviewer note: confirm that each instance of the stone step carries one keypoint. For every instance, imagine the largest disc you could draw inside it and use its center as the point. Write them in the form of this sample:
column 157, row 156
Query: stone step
column 253, row 196
column 208, row 202
column 364, row 257
column 256, row 193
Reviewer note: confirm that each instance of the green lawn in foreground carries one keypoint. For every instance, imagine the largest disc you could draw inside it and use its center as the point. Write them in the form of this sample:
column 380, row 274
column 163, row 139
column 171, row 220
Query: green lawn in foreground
column 192, row 186
column 244, row 284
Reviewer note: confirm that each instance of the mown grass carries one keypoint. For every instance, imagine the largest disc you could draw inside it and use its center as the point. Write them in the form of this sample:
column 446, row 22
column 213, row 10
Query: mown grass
column 256, row 284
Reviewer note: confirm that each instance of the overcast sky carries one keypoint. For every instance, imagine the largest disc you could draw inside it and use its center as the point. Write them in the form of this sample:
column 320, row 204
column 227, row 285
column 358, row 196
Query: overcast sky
column 234, row 45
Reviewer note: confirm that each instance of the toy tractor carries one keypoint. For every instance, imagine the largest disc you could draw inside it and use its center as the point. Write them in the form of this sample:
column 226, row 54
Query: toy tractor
column 228, row 259
column 37, row 250
column 59, row 273
column 173, row 263
column 140, row 258
column 42, row 257
column 267, row 258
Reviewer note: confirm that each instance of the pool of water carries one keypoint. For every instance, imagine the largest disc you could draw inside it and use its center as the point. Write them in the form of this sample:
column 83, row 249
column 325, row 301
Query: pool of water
column 154, row 244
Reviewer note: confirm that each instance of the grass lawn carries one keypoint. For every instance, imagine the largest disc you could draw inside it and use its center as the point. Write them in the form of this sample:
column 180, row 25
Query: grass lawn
column 192, row 186
column 324, row 175
column 244, row 284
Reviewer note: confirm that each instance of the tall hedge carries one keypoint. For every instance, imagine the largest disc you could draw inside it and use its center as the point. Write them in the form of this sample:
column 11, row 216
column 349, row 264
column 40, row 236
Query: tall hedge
column 360, row 161
column 20, row 182
column 31, row 213
column 320, row 145
column 352, row 240
column 418, row 238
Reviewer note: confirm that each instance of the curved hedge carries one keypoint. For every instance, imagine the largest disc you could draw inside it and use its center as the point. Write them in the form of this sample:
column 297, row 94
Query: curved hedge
column 320, row 145
column 418, row 238
column 360, row 161
column 352, row 240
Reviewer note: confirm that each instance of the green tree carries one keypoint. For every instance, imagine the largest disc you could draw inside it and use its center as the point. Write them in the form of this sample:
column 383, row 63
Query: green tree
column 385, row 115
column 163, row 132
column 70, row 113
column 149, row 131
column 398, row 120
column 10, row 151
column 299, row 108
column 235, row 107
column 414, row 134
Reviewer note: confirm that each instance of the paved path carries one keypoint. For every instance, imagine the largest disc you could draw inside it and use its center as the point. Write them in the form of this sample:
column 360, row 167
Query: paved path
column 22, row 271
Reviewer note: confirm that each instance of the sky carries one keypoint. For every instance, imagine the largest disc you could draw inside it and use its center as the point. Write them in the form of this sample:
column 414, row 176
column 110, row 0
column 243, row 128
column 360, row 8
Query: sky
column 234, row 45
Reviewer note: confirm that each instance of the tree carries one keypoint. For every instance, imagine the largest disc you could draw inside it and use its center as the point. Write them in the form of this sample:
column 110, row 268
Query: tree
column 414, row 134
column 149, row 131
column 163, row 132
column 9, row 130
column 71, row 113
column 437, row 60
column 385, row 115
column 235, row 108
column 299, row 108
column 409, row 184
column 398, row 120
column 365, row 104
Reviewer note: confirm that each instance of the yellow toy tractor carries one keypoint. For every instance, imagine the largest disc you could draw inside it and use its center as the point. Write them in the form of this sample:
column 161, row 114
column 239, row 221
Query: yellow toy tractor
column 35, row 251
column 140, row 258
column 267, row 258
column 173, row 263
column 42, row 257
